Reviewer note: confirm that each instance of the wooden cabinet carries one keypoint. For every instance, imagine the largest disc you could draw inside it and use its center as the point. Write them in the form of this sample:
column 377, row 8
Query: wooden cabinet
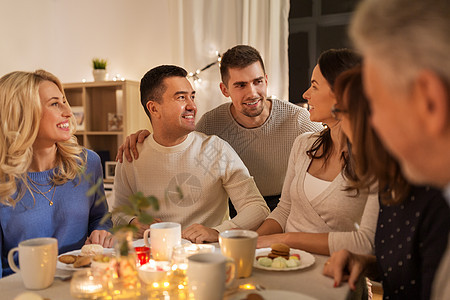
column 107, row 112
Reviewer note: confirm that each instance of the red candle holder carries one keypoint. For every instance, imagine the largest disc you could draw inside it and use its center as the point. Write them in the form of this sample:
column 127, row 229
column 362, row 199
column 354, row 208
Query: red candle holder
column 142, row 255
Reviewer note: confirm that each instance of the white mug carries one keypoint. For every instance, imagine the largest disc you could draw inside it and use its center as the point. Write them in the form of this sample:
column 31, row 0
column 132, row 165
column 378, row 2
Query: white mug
column 240, row 245
column 37, row 259
column 163, row 237
column 209, row 274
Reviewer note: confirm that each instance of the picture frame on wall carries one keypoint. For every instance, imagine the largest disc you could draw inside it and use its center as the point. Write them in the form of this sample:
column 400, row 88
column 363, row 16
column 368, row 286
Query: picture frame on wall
column 110, row 169
column 78, row 112
column 115, row 122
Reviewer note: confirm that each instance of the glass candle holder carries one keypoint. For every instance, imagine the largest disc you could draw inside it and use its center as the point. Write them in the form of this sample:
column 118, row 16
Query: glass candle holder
column 142, row 255
column 86, row 285
column 180, row 256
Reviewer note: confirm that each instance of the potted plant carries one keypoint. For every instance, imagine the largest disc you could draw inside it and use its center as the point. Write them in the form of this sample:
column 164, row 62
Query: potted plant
column 99, row 69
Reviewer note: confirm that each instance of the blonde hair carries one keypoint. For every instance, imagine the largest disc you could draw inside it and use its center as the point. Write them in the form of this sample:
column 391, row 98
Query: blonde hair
column 20, row 114
column 409, row 35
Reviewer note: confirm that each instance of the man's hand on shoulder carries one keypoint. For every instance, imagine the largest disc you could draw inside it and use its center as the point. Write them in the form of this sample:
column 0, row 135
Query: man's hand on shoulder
column 129, row 146
column 198, row 234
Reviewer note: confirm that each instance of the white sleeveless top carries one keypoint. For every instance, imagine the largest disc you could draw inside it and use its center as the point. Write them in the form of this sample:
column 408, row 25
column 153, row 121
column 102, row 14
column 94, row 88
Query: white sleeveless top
column 313, row 186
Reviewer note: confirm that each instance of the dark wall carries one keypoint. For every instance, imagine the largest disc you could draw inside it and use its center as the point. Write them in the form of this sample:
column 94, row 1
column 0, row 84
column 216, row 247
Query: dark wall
column 314, row 26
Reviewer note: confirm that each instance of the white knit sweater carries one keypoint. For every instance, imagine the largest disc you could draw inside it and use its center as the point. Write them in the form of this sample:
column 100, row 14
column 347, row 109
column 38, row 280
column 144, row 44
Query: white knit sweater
column 206, row 169
column 265, row 149
column 334, row 210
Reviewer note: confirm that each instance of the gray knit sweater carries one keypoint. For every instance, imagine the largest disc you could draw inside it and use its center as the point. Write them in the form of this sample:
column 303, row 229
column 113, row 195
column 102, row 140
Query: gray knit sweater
column 265, row 149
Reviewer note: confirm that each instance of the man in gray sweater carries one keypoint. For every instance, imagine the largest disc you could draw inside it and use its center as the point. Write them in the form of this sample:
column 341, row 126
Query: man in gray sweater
column 260, row 130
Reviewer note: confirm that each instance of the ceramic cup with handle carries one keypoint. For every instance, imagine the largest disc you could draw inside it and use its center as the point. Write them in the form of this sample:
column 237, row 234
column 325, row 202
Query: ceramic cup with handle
column 240, row 245
column 209, row 274
column 163, row 237
column 37, row 259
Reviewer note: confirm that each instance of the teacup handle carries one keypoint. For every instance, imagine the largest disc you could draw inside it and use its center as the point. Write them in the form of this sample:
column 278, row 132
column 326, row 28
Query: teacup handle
column 11, row 262
column 230, row 271
column 146, row 236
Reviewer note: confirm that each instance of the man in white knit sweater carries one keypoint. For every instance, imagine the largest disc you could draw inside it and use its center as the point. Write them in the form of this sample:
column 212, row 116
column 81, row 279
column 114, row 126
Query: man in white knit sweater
column 262, row 131
column 191, row 174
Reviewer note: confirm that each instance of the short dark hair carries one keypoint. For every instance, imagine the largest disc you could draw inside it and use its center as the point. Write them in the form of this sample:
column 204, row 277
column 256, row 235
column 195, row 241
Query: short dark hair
column 152, row 86
column 333, row 62
column 239, row 56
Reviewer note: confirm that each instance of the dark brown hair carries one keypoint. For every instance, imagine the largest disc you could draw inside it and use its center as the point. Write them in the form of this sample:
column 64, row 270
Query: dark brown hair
column 152, row 85
column 332, row 63
column 239, row 57
column 369, row 159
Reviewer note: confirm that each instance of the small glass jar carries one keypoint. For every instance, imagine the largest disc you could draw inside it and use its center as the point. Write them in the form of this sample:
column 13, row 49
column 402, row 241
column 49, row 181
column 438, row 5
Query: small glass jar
column 180, row 256
column 87, row 285
column 123, row 281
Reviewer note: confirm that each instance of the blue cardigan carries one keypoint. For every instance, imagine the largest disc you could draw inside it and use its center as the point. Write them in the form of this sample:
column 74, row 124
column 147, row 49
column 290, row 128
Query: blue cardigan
column 71, row 219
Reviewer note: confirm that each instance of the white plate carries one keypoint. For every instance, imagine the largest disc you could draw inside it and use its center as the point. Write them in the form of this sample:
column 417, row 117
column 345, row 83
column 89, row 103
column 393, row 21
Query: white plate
column 273, row 295
column 137, row 243
column 141, row 243
column 306, row 259
column 69, row 267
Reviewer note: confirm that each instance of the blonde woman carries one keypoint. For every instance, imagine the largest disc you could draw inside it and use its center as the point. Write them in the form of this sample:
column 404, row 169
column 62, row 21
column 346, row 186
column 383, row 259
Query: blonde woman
column 42, row 192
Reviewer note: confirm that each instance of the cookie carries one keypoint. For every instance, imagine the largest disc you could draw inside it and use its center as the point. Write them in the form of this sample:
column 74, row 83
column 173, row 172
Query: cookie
column 82, row 261
column 91, row 250
column 280, row 247
column 67, row 259
column 279, row 253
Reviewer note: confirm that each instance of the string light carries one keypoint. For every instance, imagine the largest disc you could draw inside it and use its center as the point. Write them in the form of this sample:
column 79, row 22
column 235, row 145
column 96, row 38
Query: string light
column 195, row 75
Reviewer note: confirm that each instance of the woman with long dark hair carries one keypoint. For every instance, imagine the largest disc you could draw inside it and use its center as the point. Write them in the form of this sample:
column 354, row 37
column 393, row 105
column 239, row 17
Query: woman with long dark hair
column 318, row 210
column 413, row 222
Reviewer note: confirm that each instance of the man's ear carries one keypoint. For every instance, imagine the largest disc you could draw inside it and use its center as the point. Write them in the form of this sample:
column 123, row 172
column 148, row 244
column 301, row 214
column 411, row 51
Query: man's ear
column 153, row 108
column 433, row 98
column 224, row 89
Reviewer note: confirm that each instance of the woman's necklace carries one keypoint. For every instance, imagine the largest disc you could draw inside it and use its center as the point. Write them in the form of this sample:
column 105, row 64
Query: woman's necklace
column 37, row 190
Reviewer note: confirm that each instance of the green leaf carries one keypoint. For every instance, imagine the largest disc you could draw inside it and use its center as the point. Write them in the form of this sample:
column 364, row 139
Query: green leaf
column 124, row 227
column 105, row 218
column 145, row 218
column 94, row 188
column 155, row 203
column 180, row 192
column 100, row 200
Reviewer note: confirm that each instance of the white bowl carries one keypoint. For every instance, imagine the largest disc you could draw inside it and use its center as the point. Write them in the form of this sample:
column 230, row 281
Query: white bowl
column 154, row 271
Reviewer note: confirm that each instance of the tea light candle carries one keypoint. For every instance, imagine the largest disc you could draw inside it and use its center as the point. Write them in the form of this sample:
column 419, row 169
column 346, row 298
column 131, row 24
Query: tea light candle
column 85, row 285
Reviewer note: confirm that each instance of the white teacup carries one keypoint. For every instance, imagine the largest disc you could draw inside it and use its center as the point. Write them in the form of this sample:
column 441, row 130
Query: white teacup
column 240, row 245
column 163, row 237
column 37, row 259
column 209, row 274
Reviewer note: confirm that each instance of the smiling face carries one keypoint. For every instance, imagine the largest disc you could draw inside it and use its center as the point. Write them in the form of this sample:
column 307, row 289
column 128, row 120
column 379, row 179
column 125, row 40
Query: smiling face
column 56, row 113
column 320, row 98
column 174, row 116
column 247, row 88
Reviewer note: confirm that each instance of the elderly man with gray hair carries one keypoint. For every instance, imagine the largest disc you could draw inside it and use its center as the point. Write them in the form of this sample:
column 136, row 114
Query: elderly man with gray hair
column 406, row 47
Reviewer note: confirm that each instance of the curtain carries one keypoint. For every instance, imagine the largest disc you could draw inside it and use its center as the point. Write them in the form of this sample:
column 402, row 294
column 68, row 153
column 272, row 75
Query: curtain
column 199, row 28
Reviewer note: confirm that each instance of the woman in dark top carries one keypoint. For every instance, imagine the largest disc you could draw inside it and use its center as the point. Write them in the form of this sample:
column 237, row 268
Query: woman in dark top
column 413, row 221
